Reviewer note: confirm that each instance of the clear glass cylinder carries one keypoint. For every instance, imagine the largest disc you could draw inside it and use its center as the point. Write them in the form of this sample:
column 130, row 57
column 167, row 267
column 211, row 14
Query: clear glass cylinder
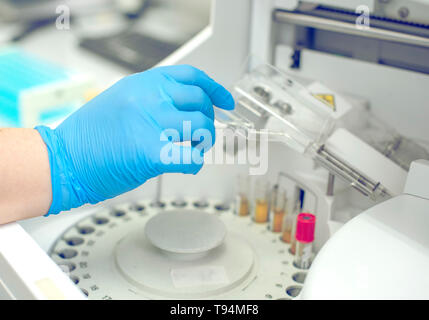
column 289, row 225
column 261, row 198
column 292, row 237
column 278, row 209
column 289, row 221
column 242, row 202
column 303, row 254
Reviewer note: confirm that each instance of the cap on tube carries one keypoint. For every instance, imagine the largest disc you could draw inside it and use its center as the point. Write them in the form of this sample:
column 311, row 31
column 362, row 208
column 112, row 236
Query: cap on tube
column 305, row 226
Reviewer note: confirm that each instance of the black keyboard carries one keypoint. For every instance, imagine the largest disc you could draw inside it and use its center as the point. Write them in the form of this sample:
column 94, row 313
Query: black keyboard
column 134, row 51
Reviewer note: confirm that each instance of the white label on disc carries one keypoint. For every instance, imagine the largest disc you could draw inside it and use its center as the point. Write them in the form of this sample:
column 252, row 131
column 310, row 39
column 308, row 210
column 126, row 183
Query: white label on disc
column 198, row 276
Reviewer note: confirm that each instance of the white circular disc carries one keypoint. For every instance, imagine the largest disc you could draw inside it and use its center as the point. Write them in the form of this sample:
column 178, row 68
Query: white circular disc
column 108, row 255
column 151, row 270
column 185, row 231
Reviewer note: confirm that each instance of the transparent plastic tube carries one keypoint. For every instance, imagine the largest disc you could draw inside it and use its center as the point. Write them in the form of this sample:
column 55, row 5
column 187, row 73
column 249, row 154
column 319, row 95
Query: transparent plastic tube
column 278, row 209
column 261, row 191
column 293, row 234
column 303, row 255
column 305, row 227
column 289, row 225
column 242, row 203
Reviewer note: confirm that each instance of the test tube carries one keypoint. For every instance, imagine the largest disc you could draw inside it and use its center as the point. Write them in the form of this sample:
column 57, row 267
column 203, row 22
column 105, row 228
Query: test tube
column 305, row 226
column 292, row 237
column 261, row 192
column 287, row 228
column 289, row 224
column 278, row 208
column 242, row 195
column 298, row 205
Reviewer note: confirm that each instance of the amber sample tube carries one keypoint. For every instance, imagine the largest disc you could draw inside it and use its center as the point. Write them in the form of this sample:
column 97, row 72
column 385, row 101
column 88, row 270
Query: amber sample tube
column 278, row 209
column 277, row 220
column 242, row 205
column 260, row 214
column 261, row 211
column 289, row 226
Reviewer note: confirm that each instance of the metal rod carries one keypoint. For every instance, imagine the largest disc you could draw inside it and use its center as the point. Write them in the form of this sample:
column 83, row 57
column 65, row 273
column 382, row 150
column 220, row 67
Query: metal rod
column 330, row 188
column 348, row 28
column 157, row 203
column 158, row 189
column 360, row 182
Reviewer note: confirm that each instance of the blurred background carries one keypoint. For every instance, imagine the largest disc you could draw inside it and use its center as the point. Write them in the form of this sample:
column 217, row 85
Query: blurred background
column 55, row 55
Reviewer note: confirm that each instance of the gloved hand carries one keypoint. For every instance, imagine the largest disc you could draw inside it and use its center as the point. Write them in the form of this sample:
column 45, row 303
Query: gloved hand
column 127, row 135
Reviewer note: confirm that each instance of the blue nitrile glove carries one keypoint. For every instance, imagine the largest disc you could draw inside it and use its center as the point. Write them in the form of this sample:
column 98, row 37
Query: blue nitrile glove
column 118, row 140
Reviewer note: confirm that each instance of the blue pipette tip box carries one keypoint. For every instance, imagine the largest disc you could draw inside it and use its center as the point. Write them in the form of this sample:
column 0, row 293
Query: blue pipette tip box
column 34, row 91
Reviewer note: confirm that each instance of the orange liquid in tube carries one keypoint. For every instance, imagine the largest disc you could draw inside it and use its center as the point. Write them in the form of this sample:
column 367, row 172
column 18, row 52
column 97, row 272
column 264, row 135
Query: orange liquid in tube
column 260, row 196
column 243, row 206
column 278, row 211
column 261, row 211
column 288, row 228
column 287, row 236
column 277, row 221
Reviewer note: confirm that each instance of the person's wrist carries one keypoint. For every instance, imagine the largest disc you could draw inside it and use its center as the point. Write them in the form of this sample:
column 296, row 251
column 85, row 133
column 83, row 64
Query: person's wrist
column 66, row 190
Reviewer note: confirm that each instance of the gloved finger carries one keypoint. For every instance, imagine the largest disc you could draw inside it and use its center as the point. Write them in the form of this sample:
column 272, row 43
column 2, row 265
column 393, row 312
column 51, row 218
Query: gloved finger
column 199, row 129
column 189, row 126
column 176, row 158
column 190, row 98
column 187, row 74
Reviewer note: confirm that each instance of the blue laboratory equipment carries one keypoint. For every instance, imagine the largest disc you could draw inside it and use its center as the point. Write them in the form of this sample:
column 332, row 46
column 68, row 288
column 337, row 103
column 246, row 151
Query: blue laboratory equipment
column 34, row 91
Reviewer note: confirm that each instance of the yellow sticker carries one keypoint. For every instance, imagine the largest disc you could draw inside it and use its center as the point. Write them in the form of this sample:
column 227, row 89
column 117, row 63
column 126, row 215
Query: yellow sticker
column 329, row 99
